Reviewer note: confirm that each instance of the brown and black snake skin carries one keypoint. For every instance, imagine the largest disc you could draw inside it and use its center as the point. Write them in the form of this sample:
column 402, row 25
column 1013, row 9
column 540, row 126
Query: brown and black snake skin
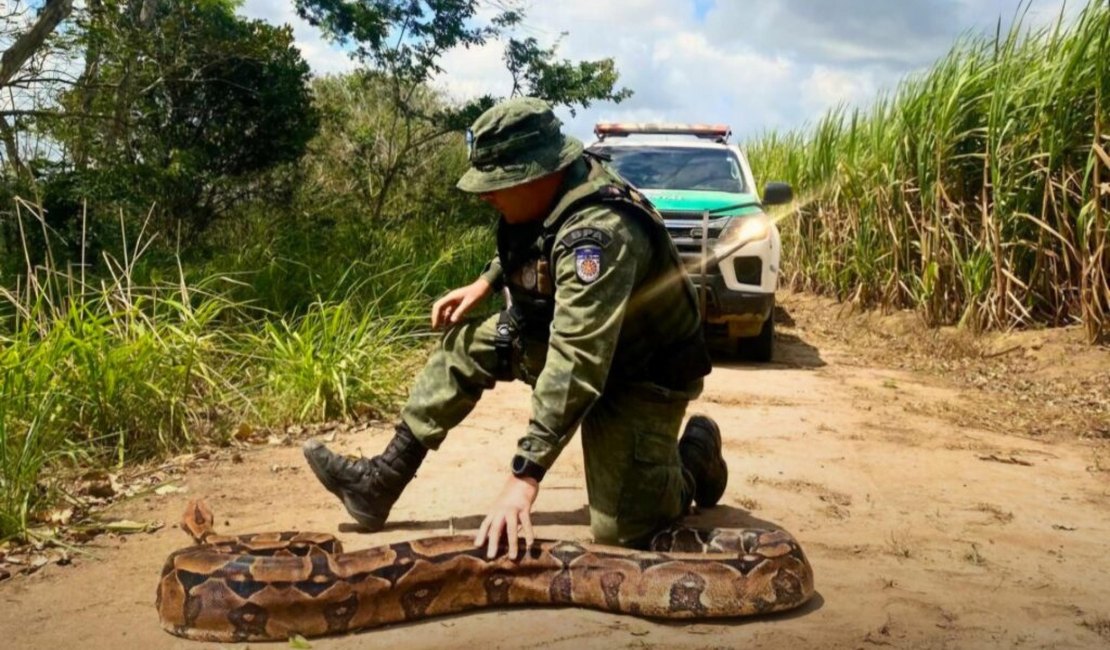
column 270, row 586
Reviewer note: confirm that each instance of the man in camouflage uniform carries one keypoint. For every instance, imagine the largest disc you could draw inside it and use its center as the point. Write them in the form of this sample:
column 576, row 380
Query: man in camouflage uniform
column 603, row 324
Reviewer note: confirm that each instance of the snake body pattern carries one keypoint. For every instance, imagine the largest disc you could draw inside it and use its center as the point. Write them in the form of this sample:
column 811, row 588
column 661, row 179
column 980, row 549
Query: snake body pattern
column 271, row 586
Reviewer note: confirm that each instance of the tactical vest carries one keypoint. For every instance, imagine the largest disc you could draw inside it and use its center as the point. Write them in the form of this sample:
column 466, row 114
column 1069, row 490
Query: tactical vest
column 526, row 251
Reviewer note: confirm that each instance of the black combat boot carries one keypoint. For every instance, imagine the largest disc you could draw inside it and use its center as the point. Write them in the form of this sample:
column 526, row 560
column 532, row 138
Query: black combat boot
column 700, row 451
column 368, row 487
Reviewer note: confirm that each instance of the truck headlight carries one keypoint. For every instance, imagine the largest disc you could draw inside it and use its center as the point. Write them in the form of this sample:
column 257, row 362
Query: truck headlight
column 744, row 230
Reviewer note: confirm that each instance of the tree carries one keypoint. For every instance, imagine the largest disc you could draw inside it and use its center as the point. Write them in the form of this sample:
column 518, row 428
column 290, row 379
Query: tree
column 32, row 68
column 28, row 42
column 179, row 104
column 537, row 72
column 190, row 105
column 22, row 66
column 404, row 42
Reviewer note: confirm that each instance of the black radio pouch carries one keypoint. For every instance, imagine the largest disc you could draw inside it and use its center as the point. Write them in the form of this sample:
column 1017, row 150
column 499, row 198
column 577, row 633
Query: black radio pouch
column 510, row 323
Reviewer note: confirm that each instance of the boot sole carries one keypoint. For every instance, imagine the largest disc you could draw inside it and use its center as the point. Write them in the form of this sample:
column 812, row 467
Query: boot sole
column 371, row 523
column 707, row 423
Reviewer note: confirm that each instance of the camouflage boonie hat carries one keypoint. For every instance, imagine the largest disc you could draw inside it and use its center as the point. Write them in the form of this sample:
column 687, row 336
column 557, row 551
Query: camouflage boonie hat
column 516, row 142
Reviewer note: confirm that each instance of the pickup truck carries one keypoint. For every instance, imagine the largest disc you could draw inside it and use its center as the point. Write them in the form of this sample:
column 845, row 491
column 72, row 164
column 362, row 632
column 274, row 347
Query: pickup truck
column 704, row 188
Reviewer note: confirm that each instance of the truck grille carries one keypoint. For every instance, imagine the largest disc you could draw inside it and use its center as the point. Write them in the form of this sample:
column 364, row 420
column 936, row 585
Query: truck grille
column 684, row 225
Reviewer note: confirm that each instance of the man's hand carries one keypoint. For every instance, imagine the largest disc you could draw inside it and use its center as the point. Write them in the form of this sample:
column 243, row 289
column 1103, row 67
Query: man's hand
column 511, row 510
column 451, row 308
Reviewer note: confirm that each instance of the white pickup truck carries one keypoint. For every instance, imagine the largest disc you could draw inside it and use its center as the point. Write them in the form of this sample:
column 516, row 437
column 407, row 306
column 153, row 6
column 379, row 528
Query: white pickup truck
column 704, row 188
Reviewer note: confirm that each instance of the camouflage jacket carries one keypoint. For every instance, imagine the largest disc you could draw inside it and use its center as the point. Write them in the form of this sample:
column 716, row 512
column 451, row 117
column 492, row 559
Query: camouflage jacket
column 601, row 281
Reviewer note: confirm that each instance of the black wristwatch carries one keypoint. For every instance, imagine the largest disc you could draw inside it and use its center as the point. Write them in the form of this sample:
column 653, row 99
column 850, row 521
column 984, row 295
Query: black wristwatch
column 524, row 468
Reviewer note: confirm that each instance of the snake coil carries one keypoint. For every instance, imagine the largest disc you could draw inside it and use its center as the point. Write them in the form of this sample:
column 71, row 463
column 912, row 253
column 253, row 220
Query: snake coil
column 270, row 586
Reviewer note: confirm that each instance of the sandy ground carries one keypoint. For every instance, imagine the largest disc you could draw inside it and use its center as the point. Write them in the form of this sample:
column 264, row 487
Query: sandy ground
column 919, row 535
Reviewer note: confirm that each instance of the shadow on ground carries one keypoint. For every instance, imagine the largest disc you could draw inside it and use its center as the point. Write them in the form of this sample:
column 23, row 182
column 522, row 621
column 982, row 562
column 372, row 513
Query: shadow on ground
column 790, row 350
column 726, row 516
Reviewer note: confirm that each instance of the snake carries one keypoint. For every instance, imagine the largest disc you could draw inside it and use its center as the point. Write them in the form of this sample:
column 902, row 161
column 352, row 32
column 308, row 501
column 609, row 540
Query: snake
column 276, row 585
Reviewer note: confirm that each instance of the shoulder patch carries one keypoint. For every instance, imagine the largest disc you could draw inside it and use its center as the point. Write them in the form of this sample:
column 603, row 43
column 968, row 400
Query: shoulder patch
column 587, row 263
column 586, row 235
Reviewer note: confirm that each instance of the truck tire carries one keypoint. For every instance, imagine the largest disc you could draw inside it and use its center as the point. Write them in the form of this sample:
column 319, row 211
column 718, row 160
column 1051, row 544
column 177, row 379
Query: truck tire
column 759, row 348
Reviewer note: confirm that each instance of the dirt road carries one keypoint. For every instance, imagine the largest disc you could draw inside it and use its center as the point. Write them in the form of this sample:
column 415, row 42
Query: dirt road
column 923, row 533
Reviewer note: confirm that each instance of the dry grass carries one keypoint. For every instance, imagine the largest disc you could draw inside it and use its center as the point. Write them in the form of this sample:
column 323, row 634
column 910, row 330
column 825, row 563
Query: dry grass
column 997, row 514
column 975, row 193
column 1041, row 383
column 1099, row 463
column 1100, row 625
column 974, row 556
column 898, row 545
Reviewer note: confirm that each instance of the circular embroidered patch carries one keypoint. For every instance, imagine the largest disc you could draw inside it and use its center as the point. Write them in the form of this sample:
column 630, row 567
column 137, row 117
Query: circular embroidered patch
column 587, row 262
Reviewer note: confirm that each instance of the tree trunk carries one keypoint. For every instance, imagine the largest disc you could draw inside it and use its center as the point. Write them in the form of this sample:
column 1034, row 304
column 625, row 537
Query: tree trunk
column 87, row 85
column 53, row 12
column 11, row 148
column 148, row 12
column 140, row 14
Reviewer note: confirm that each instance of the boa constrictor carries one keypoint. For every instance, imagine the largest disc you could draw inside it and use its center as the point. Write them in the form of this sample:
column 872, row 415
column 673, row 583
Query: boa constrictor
column 270, row 586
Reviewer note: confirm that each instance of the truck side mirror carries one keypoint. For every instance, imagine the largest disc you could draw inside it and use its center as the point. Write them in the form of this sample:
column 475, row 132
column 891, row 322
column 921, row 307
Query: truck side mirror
column 776, row 193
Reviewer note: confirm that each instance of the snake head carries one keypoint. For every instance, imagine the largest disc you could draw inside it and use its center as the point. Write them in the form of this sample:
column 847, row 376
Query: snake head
column 197, row 520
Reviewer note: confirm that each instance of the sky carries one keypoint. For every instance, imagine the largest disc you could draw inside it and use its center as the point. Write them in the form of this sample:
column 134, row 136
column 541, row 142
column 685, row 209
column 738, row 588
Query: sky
column 753, row 65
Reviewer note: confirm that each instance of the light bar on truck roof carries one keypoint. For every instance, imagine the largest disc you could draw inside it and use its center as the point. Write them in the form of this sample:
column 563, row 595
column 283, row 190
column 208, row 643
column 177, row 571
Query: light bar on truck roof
column 621, row 129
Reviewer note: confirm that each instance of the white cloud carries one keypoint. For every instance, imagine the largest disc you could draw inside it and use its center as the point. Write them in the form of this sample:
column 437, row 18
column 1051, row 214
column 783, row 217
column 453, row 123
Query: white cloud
column 755, row 66
column 324, row 57
column 827, row 86
column 661, row 52
column 473, row 72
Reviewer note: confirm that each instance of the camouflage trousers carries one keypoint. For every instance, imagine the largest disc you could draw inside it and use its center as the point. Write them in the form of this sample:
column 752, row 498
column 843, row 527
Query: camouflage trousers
column 634, row 480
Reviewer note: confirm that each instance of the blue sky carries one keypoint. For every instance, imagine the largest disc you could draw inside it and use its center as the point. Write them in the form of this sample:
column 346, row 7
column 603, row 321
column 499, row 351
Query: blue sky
column 701, row 8
column 755, row 65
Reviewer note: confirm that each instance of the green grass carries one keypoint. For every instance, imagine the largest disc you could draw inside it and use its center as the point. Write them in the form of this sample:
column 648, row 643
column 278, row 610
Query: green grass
column 976, row 192
column 26, row 447
column 330, row 362
column 125, row 336
column 106, row 370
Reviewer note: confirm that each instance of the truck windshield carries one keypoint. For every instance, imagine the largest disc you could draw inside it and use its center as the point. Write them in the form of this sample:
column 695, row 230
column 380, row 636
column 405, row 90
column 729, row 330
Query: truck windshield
column 677, row 168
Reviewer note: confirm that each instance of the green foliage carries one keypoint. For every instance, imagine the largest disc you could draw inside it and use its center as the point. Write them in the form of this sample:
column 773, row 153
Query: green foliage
column 25, row 451
column 248, row 109
column 329, row 243
column 537, row 73
column 289, row 313
column 403, row 37
column 404, row 40
column 111, row 369
column 297, row 236
column 369, row 153
column 325, row 363
column 187, row 111
column 975, row 192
